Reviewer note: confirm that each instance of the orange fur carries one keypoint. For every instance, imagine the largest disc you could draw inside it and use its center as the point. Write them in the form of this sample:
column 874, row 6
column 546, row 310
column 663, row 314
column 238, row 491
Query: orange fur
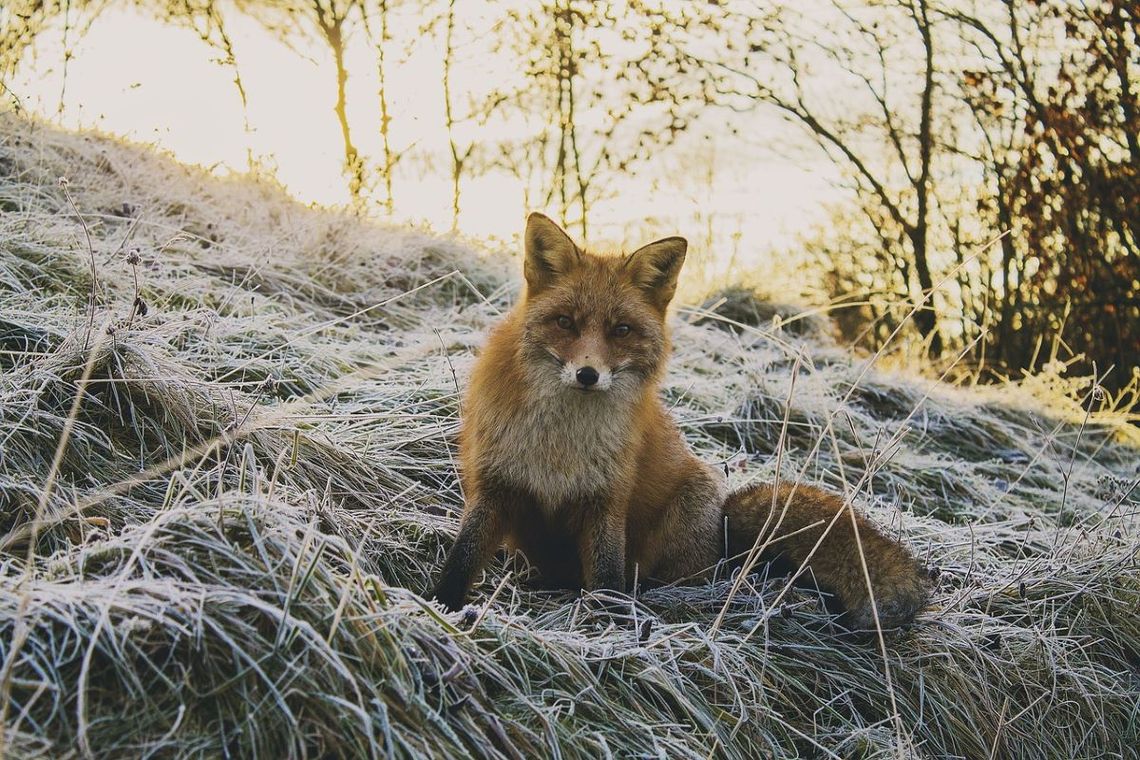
column 588, row 475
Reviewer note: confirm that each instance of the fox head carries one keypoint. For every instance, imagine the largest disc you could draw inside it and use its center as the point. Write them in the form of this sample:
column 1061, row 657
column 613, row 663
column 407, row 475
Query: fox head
column 596, row 324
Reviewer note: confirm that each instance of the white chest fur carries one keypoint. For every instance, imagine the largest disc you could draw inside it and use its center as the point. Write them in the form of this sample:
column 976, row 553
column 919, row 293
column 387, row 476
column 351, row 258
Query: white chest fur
column 561, row 447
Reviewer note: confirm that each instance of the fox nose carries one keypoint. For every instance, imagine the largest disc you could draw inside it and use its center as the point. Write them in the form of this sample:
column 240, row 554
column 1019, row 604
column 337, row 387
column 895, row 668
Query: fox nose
column 587, row 376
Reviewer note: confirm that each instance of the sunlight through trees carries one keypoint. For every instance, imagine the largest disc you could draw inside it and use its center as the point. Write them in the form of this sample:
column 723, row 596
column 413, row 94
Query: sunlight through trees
column 988, row 150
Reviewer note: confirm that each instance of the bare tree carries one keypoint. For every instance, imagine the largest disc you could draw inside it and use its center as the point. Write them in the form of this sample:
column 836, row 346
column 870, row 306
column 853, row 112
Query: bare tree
column 915, row 98
column 604, row 88
column 852, row 85
column 1053, row 95
column 22, row 21
column 458, row 158
column 382, row 39
column 330, row 17
column 329, row 22
column 206, row 19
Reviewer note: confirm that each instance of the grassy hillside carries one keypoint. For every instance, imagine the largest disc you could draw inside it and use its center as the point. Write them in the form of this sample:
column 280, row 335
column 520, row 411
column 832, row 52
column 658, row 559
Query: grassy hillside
column 227, row 438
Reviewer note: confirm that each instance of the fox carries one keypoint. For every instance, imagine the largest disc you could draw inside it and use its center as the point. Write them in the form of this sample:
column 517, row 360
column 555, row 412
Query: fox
column 568, row 454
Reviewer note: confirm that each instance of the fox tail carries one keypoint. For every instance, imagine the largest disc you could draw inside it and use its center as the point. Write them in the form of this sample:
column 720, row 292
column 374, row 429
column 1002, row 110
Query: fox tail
column 796, row 526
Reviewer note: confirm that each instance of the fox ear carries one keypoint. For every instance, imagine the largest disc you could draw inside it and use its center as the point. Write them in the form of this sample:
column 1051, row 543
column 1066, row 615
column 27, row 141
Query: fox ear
column 654, row 268
column 550, row 252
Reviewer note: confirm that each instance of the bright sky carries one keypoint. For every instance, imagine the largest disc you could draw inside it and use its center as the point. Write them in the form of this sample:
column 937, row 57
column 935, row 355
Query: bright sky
column 152, row 83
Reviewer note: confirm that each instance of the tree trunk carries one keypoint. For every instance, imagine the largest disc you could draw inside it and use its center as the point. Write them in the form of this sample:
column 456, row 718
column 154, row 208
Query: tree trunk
column 925, row 319
column 385, row 118
column 569, row 73
column 1004, row 344
column 354, row 166
column 456, row 159
column 562, row 162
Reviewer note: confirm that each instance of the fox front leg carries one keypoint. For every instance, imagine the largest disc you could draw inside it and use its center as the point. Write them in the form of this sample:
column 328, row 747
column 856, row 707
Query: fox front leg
column 602, row 549
column 479, row 536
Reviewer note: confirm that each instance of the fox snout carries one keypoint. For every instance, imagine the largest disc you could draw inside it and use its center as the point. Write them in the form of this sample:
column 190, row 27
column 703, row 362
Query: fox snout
column 586, row 377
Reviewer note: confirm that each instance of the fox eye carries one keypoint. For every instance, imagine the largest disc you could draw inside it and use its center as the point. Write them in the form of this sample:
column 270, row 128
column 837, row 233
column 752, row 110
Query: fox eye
column 621, row 331
column 565, row 322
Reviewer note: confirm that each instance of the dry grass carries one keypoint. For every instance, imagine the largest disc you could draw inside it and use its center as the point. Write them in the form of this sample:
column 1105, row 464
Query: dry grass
column 223, row 488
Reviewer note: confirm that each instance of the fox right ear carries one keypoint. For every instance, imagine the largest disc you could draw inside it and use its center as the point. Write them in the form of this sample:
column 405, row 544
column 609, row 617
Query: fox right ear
column 550, row 252
column 654, row 268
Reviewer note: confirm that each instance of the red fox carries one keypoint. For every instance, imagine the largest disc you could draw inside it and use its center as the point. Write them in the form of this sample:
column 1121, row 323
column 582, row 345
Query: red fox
column 567, row 453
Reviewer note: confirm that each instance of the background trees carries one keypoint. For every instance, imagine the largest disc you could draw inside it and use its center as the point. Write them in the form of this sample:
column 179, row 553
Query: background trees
column 862, row 87
column 605, row 87
column 960, row 124
column 1054, row 104
column 987, row 149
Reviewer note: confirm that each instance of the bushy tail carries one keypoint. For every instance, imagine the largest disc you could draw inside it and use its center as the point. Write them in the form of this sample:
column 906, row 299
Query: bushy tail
column 788, row 520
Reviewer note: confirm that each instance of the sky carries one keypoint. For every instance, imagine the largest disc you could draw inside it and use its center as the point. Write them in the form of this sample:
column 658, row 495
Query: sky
column 736, row 197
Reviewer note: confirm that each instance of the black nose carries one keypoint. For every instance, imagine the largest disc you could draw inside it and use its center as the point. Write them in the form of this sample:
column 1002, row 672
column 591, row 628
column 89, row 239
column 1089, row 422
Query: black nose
column 587, row 376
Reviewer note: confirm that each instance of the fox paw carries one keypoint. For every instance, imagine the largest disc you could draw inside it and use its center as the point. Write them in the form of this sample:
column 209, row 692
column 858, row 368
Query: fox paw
column 450, row 595
column 896, row 601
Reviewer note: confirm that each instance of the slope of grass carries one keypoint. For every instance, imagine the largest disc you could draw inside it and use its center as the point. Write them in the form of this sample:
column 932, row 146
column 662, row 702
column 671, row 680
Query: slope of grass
column 227, row 438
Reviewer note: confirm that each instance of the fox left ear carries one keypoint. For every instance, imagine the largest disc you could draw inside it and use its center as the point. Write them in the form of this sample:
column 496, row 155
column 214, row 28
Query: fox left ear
column 654, row 268
column 550, row 253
